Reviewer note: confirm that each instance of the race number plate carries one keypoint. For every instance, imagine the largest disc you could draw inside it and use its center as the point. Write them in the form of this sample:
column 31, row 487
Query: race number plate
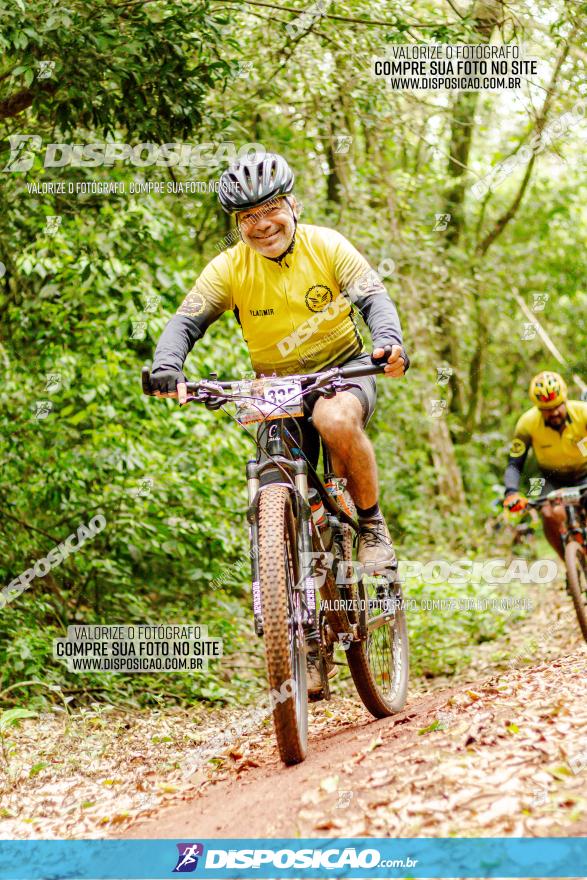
column 265, row 399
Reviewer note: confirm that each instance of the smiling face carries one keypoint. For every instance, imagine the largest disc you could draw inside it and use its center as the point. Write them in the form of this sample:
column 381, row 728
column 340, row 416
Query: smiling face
column 270, row 228
column 555, row 418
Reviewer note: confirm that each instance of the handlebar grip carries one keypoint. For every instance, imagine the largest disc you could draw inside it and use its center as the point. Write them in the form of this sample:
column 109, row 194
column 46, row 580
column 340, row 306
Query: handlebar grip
column 146, row 381
column 381, row 361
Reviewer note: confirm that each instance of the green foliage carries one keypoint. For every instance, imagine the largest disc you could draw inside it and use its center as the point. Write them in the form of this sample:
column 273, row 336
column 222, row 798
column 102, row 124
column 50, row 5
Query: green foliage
column 144, row 69
column 170, row 483
column 11, row 717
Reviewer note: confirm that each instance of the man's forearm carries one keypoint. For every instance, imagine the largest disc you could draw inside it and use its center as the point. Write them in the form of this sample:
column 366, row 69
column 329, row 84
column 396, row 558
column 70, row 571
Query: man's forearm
column 175, row 343
column 515, row 465
column 513, row 475
column 378, row 310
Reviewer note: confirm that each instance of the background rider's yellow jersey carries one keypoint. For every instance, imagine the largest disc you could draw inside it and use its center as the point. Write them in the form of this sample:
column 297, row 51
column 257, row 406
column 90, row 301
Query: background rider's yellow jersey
column 296, row 313
column 562, row 453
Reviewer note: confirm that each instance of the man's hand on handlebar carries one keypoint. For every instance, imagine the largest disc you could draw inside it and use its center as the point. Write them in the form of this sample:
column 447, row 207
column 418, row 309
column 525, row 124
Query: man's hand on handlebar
column 515, row 502
column 396, row 357
column 169, row 383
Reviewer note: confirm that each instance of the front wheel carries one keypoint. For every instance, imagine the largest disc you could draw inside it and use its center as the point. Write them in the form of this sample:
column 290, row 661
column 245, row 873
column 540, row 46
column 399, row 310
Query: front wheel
column 576, row 563
column 285, row 654
column 379, row 665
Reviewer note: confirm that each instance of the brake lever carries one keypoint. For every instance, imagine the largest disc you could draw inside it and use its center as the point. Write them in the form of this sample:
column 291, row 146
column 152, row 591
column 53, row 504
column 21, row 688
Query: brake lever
column 146, row 381
column 381, row 361
column 335, row 385
column 208, row 394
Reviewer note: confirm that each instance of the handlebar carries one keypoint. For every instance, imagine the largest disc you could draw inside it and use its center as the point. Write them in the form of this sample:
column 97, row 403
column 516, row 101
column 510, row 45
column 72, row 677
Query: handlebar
column 321, row 380
column 568, row 494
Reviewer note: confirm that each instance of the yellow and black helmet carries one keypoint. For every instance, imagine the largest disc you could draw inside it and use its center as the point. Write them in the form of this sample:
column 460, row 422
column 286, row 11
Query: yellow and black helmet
column 548, row 390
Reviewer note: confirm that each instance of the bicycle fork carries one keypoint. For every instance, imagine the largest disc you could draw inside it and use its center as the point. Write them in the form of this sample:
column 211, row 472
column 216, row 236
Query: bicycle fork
column 305, row 582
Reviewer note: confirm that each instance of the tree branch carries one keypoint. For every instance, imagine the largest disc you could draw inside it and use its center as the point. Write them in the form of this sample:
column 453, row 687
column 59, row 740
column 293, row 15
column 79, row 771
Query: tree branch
column 18, row 102
column 26, row 525
column 505, row 218
column 366, row 21
column 455, row 9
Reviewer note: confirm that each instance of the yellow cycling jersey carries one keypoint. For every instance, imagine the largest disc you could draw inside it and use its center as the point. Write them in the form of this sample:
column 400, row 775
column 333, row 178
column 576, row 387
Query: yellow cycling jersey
column 562, row 453
column 293, row 312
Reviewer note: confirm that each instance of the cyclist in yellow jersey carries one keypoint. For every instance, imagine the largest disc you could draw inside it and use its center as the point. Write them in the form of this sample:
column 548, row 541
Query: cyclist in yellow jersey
column 294, row 288
column 556, row 429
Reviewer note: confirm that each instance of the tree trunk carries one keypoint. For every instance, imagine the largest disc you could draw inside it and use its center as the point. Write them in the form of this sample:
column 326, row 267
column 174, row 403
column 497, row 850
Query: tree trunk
column 485, row 15
column 448, row 475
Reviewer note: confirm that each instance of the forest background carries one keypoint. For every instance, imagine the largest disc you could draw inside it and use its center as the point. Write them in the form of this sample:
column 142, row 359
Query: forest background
column 84, row 298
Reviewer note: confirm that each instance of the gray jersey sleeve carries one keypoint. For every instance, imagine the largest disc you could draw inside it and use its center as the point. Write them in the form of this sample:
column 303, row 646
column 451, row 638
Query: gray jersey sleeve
column 208, row 299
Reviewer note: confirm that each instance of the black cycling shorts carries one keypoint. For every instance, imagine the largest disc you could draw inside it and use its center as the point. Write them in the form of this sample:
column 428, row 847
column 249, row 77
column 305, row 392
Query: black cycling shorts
column 302, row 432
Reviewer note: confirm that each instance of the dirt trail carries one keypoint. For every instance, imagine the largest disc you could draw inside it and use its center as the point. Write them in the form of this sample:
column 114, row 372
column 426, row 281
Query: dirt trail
column 504, row 756
column 500, row 749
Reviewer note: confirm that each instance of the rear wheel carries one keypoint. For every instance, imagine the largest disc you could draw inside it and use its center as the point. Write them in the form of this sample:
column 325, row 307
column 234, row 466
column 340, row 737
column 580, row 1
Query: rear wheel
column 285, row 652
column 576, row 563
column 379, row 665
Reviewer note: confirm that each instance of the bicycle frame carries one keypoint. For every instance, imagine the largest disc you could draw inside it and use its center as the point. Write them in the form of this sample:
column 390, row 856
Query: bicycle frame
column 577, row 526
column 284, row 462
column 278, row 462
column 575, row 514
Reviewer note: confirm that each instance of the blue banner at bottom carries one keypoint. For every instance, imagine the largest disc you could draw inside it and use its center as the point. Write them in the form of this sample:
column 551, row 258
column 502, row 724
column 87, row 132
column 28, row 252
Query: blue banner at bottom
column 300, row 858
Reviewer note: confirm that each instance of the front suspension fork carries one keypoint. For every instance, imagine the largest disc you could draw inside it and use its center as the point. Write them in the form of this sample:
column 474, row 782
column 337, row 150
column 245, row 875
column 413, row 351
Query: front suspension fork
column 306, row 579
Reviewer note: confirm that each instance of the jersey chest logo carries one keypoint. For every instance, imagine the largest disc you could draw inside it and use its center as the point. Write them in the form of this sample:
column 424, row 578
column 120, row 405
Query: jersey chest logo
column 318, row 297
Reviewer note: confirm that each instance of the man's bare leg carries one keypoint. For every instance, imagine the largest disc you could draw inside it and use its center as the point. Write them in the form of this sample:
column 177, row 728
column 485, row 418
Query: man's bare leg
column 339, row 420
column 553, row 520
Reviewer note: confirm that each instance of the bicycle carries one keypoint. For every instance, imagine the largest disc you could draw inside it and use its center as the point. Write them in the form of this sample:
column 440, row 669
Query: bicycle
column 574, row 541
column 301, row 533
